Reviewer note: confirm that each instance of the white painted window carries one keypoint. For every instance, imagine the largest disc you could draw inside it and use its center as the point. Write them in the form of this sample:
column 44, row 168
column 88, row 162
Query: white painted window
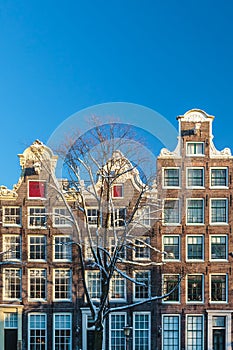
column 92, row 216
column 118, row 287
column 195, row 177
column 62, row 284
column 195, row 247
column 117, row 322
column 62, row 248
column 118, row 217
column 170, row 332
column 195, row 288
column 12, row 247
column 219, row 177
column 141, row 331
column 142, row 217
column 169, row 283
column 93, row 284
column 195, row 332
column 171, row 248
column 218, row 247
column 171, row 177
column 62, row 335
column 142, row 287
column 11, row 216
column 195, row 149
column 12, row 284
column 61, row 217
column 219, row 211
column 141, row 250
column 37, row 284
column 195, row 211
column 171, row 212
column 218, row 288
column 37, row 331
column 37, row 247
column 37, row 217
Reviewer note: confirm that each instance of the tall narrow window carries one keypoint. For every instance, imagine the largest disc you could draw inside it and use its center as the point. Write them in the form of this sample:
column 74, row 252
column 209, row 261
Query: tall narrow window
column 195, row 288
column 195, row 249
column 218, row 177
column 171, row 332
column 195, row 332
column 141, row 334
column 219, row 211
column 169, row 283
column 62, row 284
column 92, row 216
column 117, row 337
column 37, row 247
column 37, row 284
column 62, row 248
column 12, row 284
column 93, row 284
column 141, row 249
column 118, row 217
column 218, row 247
column 171, row 247
column 11, row 247
column 171, row 211
column 37, row 331
column 218, row 288
column 195, row 211
column 117, row 287
column 195, row 177
column 62, row 331
column 117, row 191
column 142, row 285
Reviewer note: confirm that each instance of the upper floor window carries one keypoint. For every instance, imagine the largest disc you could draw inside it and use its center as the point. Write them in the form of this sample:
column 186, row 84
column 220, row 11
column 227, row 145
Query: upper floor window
column 218, row 288
column 11, row 216
column 195, row 248
column 219, row 211
column 171, row 247
column 118, row 217
column 37, row 247
column 37, row 284
column 218, row 247
column 36, row 189
column 117, row 191
column 37, row 217
column 143, row 216
column 60, row 217
column 218, row 177
column 195, row 177
column 171, row 212
column 11, row 247
column 92, row 216
column 142, row 285
column 170, row 282
column 117, row 288
column 12, row 284
column 195, row 148
column 195, row 211
column 62, row 248
column 62, row 284
column 93, row 284
column 171, row 177
column 195, row 288
column 141, row 248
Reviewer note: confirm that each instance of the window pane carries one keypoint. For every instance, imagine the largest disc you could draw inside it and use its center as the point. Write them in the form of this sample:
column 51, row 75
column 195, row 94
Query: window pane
column 218, row 288
column 170, row 333
column 195, row 333
column 195, row 177
column 218, row 210
column 171, row 247
column 218, row 177
column 117, row 323
column 37, row 247
column 171, row 211
column 142, row 331
column 195, row 288
column 37, row 332
column 219, row 247
column 195, row 248
column 169, row 283
column 195, row 211
column 171, row 177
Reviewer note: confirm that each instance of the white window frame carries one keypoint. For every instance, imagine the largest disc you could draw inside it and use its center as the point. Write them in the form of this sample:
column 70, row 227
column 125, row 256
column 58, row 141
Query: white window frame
column 203, row 247
column 68, row 279
column 11, row 249
column 164, row 300
column 16, row 278
column 174, row 347
column 226, row 247
column 98, row 284
column 202, row 291
column 203, row 212
column 195, row 154
column 210, row 288
column 10, row 320
column 117, row 330
column 42, row 278
column 66, row 246
column 203, row 177
column 144, row 249
column 219, row 186
column 118, row 220
column 14, row 217
column 41, row 246
column 61, row 217
column 140, row 286
column 32, row 198
column 116, row 276
column 122, row 190
column 192, row 346
column 142, row 217
column 163, row 177
column 31, row 329
column 219, row 222
column 177, row 200
column 92, row 219
column 179, row 248
column 38, row 216
column 146, row 313
column 62, row 328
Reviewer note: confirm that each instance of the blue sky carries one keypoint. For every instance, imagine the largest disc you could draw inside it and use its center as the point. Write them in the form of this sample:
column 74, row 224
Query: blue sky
column 57, row 58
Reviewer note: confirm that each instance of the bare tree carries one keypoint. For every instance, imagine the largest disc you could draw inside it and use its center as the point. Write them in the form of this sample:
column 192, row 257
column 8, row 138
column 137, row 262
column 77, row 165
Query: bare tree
column 117, row 208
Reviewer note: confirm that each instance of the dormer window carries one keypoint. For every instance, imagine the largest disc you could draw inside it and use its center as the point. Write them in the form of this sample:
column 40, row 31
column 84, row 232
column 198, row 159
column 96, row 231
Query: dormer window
column 117, row 191
column 195, row 149
column 36, row 189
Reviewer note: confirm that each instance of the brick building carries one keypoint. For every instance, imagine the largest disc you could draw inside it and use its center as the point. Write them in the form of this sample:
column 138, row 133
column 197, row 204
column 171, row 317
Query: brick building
column 42, row 303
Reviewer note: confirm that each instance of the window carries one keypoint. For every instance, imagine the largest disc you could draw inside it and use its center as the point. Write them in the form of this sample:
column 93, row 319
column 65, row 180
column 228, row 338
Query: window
column 218, row 177
column 219, row 211
column 37, row 247
column 195, row 177
column 62, row 331
column 171, row 332
column 92, row 216
column 171, row 177
column 218, row 288
column 117, row 337
column 62, row 284
column 10, row 320
column 12, row 284
column 171, row 211
column 195, row 149
column 143, row 216
column 117, row 191
column 141, row 249
column 11, row 216
column 195, row 211
column 141, row 330
column 195, row 288
column 11, row 247
column 37, row 337
column 62, row 248
column 93, row 284
column 36, row 189
column 118, row 217
column 195, row 331
column 171, row 247
column 60, row 217
column 118, row 290
column 121, row 254
column 218, row 247
column 169, row 283
column 142, row 285
column 195, row 248
column 37, row 217
column 37, row 284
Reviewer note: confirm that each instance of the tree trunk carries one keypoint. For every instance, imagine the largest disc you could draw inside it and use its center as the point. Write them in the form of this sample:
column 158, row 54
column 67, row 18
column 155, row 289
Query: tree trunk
column 98, row 337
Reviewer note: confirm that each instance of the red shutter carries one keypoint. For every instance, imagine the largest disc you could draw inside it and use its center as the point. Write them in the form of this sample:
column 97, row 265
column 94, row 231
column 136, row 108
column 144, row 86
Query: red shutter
column 37, row 189
column 117, row 191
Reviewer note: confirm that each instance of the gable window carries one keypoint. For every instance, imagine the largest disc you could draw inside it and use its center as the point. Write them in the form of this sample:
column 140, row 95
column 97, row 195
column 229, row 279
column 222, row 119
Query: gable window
column 11, row 247
column 195, row 148
column 36, row 189
column 117, row 290
column 12, row 284
column 60, row 217
column 37, row 247
column 169, row 283
column 92, row 216
column 195, row 249
column 62, row 331
column 117, row 191
column 37, row 284
column 11, row 216
column 37, row 217
column 117, row 337
column 195, row 332
column 93, row 284
column 218, row 248
column 141, row 249
column 219, row 211
column 171, row 177
column 142, row 285
column 218, row 288
column 37, row 331
column 195, row 177
column 171, row 247
column 171, row 332
column 62, row 248
column 195, row 288
column 171, row 212
column 62, row 284
column 218, row 177
column 118, row 217
column 195, row 211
